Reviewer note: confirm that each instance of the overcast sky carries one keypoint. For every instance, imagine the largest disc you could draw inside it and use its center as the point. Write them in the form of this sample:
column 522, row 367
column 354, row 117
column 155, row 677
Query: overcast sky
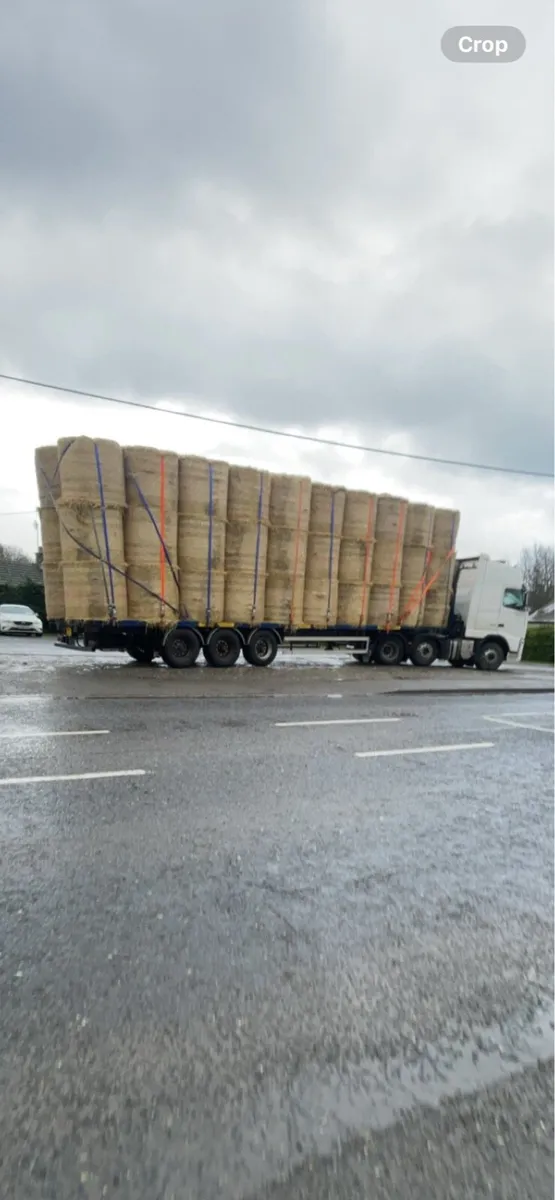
column 295, row 212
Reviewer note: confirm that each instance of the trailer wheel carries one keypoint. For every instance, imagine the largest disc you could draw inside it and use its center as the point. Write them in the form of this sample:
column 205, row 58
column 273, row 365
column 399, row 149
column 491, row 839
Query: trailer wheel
column 424, row 651
column 489, row 656
column 141, row 654
column 222, row 648
column 180, row 648
column 390, row 651
column 261, row 648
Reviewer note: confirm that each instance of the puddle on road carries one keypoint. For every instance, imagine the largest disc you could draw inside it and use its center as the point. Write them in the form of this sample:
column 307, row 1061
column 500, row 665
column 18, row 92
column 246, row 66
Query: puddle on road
column 326, row 1106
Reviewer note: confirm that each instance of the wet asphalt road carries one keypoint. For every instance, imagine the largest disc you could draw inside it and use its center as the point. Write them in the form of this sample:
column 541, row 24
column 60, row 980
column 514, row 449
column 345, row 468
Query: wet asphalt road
column 267, row 966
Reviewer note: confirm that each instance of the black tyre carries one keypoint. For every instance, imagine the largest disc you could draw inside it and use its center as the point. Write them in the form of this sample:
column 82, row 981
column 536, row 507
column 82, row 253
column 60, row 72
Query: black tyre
column 389, row 651
column 262, row 648
column 424, row 651
column 489, row 656
column 222, row 648
column 141, row 654
column 181, row 648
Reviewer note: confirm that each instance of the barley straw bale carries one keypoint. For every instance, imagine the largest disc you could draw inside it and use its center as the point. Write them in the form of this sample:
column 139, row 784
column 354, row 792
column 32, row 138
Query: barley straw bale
column 86, row 585
column 388, row 548
column 327, row 508
column 244, row 597
column 53, row 592
column 355, row 557
column 246, row 546
column 383, row 608
column 141, row 605
column 202, row 597
column 154, row 472
column 419, row 525
column 50, row 537
column 357, row 542
column 202, row 504
column 195, row 546
column 441, row 568
column 248, row 506
column 151, row 514
column 248, row 491
column 352, row 603
column 194, row 487
column 416, row 552
column 284, row 597
column 287, row 543
column 83, row 531
column 78, row 471
column 48, row 476
column 320, row 599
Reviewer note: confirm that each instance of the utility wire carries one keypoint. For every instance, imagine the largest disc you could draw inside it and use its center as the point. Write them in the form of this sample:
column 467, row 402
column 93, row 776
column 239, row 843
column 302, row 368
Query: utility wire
column 300, row 437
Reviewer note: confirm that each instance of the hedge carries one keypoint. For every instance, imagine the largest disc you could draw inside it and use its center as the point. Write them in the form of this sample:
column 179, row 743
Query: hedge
column 538, row 646
column 28, row 593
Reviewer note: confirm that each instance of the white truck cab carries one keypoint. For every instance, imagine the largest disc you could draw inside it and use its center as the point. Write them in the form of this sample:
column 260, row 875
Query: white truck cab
column 492, row 603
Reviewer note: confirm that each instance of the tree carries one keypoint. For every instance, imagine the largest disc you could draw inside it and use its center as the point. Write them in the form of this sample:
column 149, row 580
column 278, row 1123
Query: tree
column 537, row 564
column 11, row 554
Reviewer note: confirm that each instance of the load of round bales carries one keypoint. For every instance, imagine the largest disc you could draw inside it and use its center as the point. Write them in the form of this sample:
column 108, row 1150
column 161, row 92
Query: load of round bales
column 143, row 534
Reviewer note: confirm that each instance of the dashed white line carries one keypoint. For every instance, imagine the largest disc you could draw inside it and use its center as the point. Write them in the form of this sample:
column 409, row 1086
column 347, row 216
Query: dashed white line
column 65, row 778
column 338, row 721
column 518, row 724
column 425, row 750
column 48, row 733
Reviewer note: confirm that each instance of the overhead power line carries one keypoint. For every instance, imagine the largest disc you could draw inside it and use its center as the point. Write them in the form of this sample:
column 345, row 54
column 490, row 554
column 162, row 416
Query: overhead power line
column 299, row 437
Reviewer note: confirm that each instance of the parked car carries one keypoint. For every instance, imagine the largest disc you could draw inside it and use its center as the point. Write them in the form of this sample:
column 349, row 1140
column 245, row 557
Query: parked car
column 18, row 618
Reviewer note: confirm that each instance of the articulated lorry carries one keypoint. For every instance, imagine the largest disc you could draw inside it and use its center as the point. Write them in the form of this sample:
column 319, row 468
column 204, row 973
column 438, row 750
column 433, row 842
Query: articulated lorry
column 486, row 627
column 159, row 555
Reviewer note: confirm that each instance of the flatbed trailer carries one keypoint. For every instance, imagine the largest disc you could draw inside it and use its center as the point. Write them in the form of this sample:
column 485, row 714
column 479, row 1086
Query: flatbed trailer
column 221, row 646
column 486, row 625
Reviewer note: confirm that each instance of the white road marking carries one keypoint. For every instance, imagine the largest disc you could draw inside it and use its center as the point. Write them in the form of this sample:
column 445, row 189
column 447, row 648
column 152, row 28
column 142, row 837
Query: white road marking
column 518, row 724
column 12, row 737
column 64, row 778
column 425, row 750
column 338, row 721
column 530, row 712
column 335, row 695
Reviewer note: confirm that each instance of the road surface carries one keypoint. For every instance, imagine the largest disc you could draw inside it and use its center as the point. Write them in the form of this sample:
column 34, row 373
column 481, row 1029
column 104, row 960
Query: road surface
column 275, row 946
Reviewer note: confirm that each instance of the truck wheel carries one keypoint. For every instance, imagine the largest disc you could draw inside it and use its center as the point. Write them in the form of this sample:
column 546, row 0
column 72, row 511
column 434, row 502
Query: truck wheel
column 389, row 652
column 423, row 651
column 222, row 648
column 262, row 648
column 489, row 656
column 180, row 648
column 141, row 654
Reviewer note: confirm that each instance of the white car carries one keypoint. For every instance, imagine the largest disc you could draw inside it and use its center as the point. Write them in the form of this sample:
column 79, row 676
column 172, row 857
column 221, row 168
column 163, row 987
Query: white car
column 17, row 618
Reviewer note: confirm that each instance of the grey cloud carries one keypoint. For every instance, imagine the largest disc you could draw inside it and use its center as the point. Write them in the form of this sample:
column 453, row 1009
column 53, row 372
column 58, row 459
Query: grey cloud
column 187, row 188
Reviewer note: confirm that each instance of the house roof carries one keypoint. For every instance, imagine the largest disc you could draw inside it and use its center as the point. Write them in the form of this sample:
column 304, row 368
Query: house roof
column 15, row 574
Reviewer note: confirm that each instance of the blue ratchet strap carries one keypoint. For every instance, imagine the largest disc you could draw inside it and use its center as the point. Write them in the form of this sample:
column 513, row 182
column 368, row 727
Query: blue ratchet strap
column 62, row 456
column 257, row 551
column 330, row 566
column 150, row 514
column 105, row 526
column 97, row 540
column 210, row 541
